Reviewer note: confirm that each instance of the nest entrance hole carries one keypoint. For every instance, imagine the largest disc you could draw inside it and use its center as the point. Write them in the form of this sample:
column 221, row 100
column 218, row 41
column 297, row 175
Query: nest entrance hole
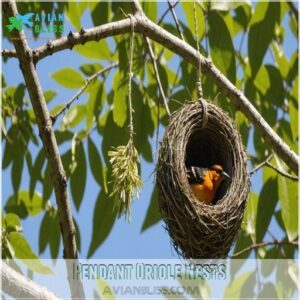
column 206, row 147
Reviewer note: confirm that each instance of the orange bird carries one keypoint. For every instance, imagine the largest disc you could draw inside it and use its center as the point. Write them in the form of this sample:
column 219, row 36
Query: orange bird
column 204, row 182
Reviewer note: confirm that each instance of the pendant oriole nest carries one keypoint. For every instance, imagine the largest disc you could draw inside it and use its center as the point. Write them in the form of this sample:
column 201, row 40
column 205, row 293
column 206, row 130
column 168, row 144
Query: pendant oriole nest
column 198, row 230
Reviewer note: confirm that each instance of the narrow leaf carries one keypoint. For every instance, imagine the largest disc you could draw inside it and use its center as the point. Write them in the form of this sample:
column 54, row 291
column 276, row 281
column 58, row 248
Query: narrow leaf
column 68, row 78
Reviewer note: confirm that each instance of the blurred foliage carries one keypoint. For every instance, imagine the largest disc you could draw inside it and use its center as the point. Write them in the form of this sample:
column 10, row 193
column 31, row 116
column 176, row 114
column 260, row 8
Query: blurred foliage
column 247, row 43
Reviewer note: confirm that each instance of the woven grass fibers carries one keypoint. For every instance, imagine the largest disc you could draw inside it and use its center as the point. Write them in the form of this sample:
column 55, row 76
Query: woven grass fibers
column 197, row 230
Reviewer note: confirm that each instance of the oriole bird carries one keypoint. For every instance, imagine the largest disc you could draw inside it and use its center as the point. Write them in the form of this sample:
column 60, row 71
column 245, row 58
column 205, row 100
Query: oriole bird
column 204, row 182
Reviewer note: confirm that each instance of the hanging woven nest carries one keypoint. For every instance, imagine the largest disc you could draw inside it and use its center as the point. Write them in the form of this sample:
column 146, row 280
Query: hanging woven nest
column 196, row 229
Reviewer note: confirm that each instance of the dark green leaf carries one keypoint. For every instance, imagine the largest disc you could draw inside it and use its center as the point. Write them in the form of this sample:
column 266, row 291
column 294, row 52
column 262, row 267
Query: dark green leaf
column 47, row 184
column 63, row 136
column 261, row 32
column 95, row 103
column 103, row 221
column 153, row 215
column 293, row 110
column 222, row 50
column 293, row 68
column 120, row 98
column 163, row 77
column 288, row 195
column 90, row 69
column 243, row 15
column 23, row 205
column 78, row 178
column 19, row 94
column 54, row 234
column 268, row 199
column 36, row 171
column 100, row 12
column 69, row 78
column 96, row 165
column 17, row 165
column 44, row 232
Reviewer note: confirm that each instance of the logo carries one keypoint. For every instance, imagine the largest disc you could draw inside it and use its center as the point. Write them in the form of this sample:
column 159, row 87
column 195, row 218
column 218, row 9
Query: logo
column 55, row 22
column 18, row 21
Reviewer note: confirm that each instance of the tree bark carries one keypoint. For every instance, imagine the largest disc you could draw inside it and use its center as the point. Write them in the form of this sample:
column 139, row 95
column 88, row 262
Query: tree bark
column 58, row 177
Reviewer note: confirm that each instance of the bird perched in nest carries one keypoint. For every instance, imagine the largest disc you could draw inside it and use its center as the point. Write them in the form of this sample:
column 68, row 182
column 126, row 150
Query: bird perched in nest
column 204, row 182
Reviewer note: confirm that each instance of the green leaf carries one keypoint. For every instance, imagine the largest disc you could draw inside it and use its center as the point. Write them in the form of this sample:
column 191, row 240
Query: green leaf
column 153, row 215
column 150, row 10
column 100, row 12
column 281, row 60
column 233, row 290
column 261, row 32
column 95, row 103
column 220, row 42
column 78, row 178
column 268, row 199
column 11, row 222
column 251, row 214
column 120, row 98
column 293, row 110
column 96, row 165
column 17, row 165
column 74, row 11
column 293, row 68
column 23, row 251
column 188, row 9
column 103, row 221
column 47, row 184
column 93, row 49
column 23, row 205
column 49, row 95
column 69, row 78
column 73, row 117
column 44, row 232
column 36, row 171
column 90, row 69
column 288, row 197
column 54, row 233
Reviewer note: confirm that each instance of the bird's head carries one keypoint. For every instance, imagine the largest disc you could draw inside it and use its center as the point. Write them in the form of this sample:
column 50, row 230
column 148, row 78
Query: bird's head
column 218, row 174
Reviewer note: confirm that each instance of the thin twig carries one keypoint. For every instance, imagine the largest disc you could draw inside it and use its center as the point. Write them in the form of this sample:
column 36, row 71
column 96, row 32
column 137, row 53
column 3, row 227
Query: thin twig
column 175, row 19
column 82, row 89
column 162, row 93
column 261, row 164
column 130, row 78
column 264, row 244
column 289, row 176
column 166, row 12
column 199, row 86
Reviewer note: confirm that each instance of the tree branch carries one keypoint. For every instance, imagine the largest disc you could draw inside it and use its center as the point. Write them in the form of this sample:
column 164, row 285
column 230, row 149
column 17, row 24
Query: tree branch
column 171, row 7
column 282, row 173
column 20, row 287
column 9, row 53
column 166, row 12
column 81, row 90
column 261, row 164
column 264, row 244
column 162, row 93
column 58, row 177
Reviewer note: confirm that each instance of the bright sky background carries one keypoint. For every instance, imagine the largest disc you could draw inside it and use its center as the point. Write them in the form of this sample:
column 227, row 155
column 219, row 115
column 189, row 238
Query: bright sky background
column 125, row 240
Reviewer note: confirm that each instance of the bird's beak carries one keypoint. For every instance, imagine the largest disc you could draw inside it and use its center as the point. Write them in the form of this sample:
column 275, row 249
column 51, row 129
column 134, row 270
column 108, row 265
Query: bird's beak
column 225, row 175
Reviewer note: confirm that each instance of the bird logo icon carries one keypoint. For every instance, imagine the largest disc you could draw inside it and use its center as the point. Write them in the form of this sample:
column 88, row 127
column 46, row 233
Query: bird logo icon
column 18, row 21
